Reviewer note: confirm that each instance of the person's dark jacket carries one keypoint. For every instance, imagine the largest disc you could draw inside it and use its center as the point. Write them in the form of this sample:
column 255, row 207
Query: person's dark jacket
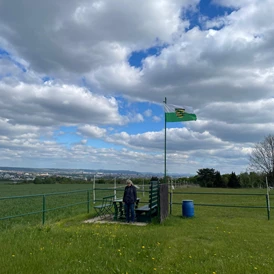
column 130, row 195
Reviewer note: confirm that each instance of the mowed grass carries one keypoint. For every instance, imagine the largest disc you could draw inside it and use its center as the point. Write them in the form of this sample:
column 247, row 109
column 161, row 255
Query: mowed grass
column 23, row 205
column 216, row 240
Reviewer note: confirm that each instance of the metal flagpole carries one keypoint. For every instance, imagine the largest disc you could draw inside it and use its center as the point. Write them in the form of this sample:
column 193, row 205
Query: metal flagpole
column 165, row 143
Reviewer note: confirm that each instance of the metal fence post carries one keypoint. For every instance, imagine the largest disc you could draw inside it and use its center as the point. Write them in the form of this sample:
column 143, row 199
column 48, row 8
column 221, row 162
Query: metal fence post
column 143, row 187
column 170, row 203
column 267, row 206
column 44, row 209
column 88, row 201
column 114, row 192
column 94, row 197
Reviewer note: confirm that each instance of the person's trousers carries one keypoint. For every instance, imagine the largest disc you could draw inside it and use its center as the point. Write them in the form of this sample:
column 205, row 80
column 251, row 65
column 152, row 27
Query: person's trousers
column 129, row 209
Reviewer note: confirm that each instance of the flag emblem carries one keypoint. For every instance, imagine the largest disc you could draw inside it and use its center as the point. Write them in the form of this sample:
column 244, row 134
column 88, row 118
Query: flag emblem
column 177, row 113
column 180, row 112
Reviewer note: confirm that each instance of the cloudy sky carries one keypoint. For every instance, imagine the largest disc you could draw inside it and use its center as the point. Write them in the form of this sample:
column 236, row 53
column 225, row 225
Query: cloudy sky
column 82, row 83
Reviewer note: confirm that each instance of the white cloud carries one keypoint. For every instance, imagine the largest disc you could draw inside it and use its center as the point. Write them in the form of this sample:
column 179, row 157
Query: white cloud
column 200, row 66
column 84, row 141
column 178, row 139
column 51, row 105
column 253, row 112
column 156, row 118
column 148, row 112
column 82, row 35
column 16, row 130
column 234, row 3
column 187, row 148
column 92, row 131
column 225, row 74
column 135, row 118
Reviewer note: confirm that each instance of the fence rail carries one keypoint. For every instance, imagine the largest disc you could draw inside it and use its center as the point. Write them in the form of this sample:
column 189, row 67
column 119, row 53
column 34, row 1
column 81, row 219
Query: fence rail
column 87, row 200
column 222, row 193
column 43, row 203
column 267, row 206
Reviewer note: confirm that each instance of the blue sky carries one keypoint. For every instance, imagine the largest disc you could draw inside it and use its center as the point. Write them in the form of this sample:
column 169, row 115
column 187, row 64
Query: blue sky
column 96, row 100
column 208, row 9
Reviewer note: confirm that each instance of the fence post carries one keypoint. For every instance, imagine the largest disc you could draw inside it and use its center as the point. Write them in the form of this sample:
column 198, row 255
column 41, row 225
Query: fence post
column 44, row 209
column 170, row 203
column 94, row 197
column 267, row 206
column 88, row 201
column 114, row 188
column 143, row 187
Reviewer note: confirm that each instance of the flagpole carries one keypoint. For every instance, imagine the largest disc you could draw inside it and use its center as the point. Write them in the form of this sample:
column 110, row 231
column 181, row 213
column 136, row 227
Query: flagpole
column 165, row 144
column 178, row 115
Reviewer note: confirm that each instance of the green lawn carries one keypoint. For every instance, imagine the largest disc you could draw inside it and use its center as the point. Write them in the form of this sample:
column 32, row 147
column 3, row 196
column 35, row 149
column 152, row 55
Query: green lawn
column 19, row 206
column 216, row 240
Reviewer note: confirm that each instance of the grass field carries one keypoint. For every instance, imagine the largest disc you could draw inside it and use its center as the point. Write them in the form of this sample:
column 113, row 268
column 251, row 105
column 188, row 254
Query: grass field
column 216, row 240
column 25, row 204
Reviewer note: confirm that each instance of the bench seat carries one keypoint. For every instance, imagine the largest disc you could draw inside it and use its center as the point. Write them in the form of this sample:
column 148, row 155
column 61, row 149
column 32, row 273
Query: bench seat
column 143, row 208
column 103, row 206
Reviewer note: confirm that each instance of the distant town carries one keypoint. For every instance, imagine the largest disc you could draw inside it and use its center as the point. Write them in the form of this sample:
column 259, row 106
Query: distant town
column 29, row 174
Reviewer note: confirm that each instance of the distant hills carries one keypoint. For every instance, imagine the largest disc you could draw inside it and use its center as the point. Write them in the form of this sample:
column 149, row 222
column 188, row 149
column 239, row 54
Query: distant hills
column 105, row 171
column 70, row 170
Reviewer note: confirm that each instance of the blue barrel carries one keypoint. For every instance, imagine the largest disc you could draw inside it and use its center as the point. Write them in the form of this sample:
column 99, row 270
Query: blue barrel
column 188, row 208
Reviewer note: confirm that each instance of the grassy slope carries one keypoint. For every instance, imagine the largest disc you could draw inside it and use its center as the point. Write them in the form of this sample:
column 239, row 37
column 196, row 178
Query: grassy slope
column 220, row 240
column 199, row 245
column 19, row 206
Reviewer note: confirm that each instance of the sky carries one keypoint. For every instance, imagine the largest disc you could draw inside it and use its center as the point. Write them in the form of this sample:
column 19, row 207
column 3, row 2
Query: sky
column 82, row 83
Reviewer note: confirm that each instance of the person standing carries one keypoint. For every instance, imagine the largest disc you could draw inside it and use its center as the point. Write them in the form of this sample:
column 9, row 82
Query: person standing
column 129, row 199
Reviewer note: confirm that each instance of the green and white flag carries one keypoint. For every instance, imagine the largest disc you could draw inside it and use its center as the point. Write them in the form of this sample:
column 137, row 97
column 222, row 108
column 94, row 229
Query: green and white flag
column 178, row 114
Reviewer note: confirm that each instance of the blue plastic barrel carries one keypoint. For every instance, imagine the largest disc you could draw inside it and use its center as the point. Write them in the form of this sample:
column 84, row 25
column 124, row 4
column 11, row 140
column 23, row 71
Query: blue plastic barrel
column 188, row 208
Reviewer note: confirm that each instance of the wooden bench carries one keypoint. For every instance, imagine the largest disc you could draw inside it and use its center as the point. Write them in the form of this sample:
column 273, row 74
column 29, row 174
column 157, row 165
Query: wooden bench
column 147, row 212
column 106, row 206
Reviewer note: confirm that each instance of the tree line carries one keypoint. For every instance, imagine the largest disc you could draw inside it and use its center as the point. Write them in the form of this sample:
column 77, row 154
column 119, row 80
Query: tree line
column 209, row 177
column 206, row 177
column 58, row 180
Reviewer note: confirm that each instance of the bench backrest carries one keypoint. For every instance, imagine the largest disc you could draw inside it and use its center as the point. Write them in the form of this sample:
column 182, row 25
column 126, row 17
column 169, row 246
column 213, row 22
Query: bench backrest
column 153, row 194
